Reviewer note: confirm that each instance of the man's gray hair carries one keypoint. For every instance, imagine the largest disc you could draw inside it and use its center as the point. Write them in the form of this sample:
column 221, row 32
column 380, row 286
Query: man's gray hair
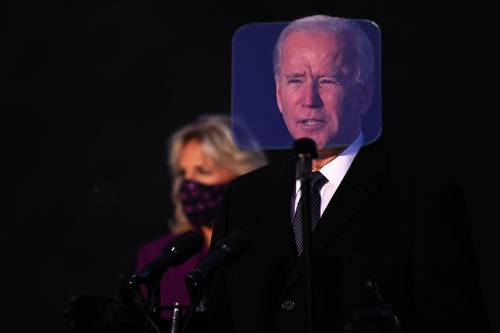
column 332, row 25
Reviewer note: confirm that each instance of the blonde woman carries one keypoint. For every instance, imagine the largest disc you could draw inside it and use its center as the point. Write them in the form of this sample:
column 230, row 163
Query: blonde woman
column 203, row 159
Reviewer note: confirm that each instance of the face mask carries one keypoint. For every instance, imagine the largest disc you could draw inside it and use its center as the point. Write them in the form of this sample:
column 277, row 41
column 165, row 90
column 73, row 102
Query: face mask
column 200, row 202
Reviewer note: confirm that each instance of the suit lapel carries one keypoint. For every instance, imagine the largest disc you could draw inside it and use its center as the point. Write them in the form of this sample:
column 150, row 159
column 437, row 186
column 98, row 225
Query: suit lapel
column 274, row 230
column 358, row 185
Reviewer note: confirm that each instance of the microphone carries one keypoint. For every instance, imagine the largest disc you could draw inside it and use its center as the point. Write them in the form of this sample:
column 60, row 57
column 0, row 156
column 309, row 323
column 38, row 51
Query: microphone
column 175, row 253
column 227, row 248
column 305, row 147
column 373, row 291
column 376, row 316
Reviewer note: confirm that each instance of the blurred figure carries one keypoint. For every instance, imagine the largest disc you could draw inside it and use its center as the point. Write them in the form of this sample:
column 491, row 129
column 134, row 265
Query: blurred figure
column 203, row 159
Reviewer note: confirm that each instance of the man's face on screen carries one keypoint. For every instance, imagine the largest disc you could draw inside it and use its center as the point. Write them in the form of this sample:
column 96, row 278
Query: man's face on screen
column 316, row 91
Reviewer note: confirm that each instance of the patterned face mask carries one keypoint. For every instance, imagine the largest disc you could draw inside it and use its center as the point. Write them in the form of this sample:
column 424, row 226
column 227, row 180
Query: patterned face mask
column 200, row 202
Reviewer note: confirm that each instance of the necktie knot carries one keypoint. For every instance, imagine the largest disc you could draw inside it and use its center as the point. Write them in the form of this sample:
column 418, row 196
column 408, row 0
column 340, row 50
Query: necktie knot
column 317, row 181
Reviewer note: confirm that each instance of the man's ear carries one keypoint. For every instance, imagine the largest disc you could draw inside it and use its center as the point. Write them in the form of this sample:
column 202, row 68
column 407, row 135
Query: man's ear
column 366, row 96
column 278, row 93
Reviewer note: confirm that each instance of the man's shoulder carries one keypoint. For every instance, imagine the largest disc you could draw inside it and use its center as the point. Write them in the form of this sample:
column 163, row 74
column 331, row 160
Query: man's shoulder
column 415, row 165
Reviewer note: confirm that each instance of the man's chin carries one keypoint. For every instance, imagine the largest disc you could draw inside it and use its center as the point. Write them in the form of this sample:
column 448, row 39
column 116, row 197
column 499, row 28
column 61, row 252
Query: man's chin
column 326, row 144
column 325, row 148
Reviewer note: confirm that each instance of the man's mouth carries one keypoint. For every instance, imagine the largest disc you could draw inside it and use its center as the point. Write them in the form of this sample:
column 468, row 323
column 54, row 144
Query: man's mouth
column 311, row 126
column 312, row 122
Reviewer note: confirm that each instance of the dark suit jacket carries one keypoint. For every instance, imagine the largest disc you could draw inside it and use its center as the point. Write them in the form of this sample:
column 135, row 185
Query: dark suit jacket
column 388, row 220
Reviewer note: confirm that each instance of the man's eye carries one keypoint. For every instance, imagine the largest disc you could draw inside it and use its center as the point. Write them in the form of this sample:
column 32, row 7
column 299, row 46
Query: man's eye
column 294, row 81
column 330, row 81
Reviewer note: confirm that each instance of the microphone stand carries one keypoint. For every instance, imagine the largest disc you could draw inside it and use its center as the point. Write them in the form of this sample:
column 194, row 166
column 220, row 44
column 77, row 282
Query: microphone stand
column 176, row 318
column 154, row 296
column 306, row 152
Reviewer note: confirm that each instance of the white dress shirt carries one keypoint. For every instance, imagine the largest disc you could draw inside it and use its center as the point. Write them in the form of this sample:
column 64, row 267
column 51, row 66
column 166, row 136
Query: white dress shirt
column 334, row 171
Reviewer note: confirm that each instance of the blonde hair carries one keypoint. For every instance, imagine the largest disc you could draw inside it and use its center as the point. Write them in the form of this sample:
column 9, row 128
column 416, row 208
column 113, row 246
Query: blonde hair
column 214, row 134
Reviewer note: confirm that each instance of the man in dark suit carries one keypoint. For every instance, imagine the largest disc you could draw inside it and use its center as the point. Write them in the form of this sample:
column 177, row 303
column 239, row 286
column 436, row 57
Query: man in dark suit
column 381, row 219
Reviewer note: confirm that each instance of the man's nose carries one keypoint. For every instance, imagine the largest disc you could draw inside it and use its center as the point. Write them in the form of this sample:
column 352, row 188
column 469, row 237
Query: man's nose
column 310, row 95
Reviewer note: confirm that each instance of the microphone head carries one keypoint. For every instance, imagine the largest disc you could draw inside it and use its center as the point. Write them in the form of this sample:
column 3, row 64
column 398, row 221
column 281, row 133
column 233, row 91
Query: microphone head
column 234, row 243
column 228, row 248
column 184, row 247
column 305, row 146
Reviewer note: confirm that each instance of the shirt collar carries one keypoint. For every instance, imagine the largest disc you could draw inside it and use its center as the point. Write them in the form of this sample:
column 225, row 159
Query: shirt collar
column 336, row 169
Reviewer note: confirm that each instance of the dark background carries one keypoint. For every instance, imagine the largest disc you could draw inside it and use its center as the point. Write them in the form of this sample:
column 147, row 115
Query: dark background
column 92, row 89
